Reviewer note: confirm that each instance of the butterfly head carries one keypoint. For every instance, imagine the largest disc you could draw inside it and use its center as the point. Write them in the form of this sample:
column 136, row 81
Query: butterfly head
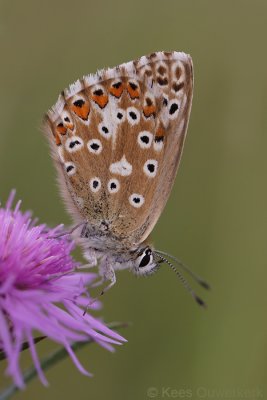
column 147, row 262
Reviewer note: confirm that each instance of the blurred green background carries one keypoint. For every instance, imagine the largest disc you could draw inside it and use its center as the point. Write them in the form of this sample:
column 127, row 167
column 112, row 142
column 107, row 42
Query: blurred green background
column 215, row 219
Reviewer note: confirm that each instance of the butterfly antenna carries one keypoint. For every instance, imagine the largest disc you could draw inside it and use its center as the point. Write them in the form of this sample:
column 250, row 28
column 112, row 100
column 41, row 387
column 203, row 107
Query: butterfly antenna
column 197, row 278
column 184, row 282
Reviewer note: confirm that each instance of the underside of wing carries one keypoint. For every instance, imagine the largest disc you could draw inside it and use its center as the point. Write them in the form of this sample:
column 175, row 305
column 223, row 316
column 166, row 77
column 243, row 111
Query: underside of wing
column 117, row 138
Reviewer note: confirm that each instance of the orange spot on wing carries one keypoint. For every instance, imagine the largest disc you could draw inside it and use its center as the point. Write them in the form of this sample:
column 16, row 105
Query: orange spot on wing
column 69, row 125
column 133, row 90
column 66, row 118
column 61, row 129
column 81, row 109
column 116, row 91
column 149, row 110
column 160, row 133
column 58, row 141
column 101, row 101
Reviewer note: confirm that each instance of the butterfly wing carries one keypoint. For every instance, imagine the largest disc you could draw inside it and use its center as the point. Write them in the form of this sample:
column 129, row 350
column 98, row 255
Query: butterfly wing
column 117, row 138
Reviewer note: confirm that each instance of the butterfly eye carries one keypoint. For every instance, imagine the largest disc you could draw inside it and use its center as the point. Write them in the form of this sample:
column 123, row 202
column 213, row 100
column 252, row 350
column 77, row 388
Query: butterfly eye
column 145, row 260
column 145, row 264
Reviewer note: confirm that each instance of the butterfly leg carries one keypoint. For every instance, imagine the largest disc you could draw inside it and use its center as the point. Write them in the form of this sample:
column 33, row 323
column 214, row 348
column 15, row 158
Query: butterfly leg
column 98, row 283
column 90, row 256
column 109, row 275
column 106, row 273
column 112, row 282
column 106, row 288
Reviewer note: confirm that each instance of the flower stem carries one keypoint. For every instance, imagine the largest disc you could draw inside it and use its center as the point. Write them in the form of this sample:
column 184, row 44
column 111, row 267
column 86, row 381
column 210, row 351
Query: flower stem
column 52, row 359
column 24, row 346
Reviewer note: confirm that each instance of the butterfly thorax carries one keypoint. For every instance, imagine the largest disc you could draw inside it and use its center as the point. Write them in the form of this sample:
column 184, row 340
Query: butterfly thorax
column 120, row 254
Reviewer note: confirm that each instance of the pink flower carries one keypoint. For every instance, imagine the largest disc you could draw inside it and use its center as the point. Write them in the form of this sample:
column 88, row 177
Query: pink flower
column 42, row 291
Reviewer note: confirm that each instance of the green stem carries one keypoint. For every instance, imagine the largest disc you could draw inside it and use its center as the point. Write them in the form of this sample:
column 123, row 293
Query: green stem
column 52, row 359
column 24, row 346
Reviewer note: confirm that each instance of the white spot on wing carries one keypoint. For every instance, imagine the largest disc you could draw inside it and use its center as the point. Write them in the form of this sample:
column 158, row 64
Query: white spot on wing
column 120, row 115
column 67, row 120
column 158, row 145
column 74, row 143
column 95, row 184
column 104, row 130
column 94, row 146
column 113, row 185
column 136, row 200
column 144, row 139
column 70, row 168
column 150, row 168
column 173, row 109
column 133, row 115
column 122, row 167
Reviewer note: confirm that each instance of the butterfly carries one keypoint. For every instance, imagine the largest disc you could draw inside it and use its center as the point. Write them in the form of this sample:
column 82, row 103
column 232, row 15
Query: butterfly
column 116, row 138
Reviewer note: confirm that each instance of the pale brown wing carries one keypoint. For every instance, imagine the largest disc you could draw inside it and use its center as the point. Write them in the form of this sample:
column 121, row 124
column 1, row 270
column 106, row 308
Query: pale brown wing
column 173, row 75
column 117, row 138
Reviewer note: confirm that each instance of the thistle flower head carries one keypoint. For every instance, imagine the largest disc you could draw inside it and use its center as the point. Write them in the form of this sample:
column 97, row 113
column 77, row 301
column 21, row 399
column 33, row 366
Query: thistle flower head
column 42, row 291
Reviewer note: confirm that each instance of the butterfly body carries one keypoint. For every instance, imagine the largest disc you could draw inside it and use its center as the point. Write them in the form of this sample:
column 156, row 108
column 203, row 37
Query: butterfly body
column 116, row 139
